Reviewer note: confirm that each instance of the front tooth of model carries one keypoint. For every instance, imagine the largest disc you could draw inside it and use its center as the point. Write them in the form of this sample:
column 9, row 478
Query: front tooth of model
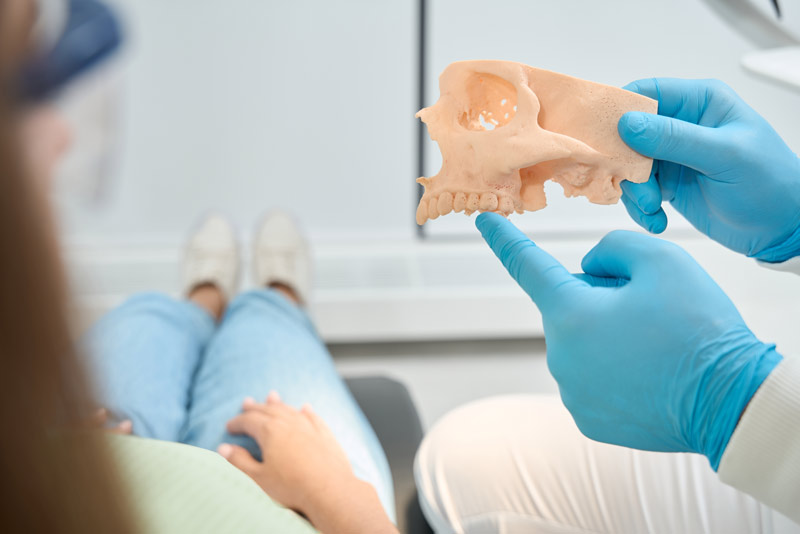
column 445, row 203
column 422, row 213
column 433, row 208
column 488, row 202
column 459, row 202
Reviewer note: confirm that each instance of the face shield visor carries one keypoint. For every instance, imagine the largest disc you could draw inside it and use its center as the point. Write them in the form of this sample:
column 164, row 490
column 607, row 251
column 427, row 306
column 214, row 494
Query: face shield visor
column 70, row 72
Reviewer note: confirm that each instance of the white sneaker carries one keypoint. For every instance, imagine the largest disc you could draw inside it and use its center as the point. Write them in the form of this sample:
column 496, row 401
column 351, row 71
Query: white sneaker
column 212, row 257
column 281, row 255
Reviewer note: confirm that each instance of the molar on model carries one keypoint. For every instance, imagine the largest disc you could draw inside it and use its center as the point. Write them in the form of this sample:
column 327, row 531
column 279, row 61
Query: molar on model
column 505, row 128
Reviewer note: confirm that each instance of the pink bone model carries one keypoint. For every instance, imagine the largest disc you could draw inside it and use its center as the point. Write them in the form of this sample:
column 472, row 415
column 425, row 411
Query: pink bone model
column 505, row 128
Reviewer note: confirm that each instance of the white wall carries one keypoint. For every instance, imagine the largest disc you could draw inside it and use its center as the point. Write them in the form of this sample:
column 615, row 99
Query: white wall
column 246, row 105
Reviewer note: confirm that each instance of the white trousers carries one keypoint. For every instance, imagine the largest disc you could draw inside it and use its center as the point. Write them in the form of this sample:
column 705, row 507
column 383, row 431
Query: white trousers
column 519, row 464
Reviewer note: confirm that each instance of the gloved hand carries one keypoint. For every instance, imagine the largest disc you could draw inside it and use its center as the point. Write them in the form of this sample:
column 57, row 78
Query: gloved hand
column 647, row 350
column 719, row 163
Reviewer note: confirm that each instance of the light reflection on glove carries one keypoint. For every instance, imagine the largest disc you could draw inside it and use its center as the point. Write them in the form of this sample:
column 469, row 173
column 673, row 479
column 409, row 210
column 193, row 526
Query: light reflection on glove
column 719, row 163
column 647, row 350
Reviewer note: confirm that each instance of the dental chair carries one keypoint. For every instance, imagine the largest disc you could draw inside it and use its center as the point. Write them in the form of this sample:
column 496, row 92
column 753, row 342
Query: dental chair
column 391, row 412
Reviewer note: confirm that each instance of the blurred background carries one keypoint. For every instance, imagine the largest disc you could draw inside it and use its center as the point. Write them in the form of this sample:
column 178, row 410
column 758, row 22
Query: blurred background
column 241, row 106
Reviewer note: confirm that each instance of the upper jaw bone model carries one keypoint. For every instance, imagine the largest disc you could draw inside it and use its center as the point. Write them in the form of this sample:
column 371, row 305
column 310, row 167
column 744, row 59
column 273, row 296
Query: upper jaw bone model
column 505, row 128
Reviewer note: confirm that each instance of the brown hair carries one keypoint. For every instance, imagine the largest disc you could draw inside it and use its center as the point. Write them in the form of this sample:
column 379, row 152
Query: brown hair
column 56, row 475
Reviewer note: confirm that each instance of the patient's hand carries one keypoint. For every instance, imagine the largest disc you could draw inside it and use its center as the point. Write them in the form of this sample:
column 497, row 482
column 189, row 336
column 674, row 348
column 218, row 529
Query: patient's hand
column 301, row 457
column 304, row 468
column 100, row 420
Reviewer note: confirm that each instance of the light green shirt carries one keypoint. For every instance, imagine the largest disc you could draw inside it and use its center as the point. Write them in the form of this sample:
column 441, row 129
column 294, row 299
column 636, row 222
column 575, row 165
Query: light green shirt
column 177, row 488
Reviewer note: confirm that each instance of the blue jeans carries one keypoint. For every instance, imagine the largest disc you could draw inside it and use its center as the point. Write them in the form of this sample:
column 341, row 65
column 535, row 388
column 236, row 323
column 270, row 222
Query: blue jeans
column 168, row 367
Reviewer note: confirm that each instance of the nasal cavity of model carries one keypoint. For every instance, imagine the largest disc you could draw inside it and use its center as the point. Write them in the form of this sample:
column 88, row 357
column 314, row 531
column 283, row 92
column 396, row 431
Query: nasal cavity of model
column 491, row 102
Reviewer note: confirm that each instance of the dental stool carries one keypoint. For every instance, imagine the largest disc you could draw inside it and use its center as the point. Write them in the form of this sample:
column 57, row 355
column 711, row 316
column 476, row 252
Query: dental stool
column 392, row 414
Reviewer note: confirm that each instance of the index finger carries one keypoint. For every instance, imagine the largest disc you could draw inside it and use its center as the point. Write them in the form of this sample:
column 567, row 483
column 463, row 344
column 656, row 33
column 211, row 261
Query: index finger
column 542, row 277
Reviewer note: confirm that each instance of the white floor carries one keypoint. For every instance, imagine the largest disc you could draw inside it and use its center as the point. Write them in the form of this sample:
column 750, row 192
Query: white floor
column 444, row 375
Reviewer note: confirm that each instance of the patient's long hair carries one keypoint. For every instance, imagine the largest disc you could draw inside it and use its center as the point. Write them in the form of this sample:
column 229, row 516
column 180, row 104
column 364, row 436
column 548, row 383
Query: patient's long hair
column 56, row 475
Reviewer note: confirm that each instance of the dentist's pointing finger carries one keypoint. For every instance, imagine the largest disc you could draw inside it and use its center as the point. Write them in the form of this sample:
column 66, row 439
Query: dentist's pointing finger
column 537, row 272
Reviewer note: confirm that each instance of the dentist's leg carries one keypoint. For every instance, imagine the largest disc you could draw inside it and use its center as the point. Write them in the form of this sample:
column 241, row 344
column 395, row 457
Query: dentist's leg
column 143, row 356
column 519, row 464
column 266, row 342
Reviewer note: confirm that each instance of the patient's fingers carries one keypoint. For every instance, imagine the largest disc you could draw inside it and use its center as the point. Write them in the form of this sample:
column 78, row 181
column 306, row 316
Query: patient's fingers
column 315, row 419
column 99, row 419
column 253, row 423
column 125, row 428
column 240, row 458
column 308, row 411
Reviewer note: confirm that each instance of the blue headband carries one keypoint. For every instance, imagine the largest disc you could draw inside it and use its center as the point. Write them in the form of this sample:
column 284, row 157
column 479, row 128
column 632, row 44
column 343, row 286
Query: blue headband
column 92, row 34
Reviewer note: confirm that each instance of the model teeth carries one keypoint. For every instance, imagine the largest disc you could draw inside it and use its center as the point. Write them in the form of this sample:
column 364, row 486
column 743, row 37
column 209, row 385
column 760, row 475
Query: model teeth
column 422, row 213
column 488, row 202
column 445, row 204
column 432, row 207
column 506, row 205
column 459, row 202
column 472, row 203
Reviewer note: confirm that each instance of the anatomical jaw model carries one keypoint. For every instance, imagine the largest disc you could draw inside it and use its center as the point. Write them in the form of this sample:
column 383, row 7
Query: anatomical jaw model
column 505, row 128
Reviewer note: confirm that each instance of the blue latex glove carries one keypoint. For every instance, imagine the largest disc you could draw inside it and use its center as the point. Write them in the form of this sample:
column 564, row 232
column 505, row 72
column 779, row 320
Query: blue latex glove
column 719, row 163
column 647, row 350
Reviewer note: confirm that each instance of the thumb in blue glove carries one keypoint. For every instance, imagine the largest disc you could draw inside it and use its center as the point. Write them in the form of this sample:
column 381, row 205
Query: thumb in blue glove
column 647, row 350
column 719, row 163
